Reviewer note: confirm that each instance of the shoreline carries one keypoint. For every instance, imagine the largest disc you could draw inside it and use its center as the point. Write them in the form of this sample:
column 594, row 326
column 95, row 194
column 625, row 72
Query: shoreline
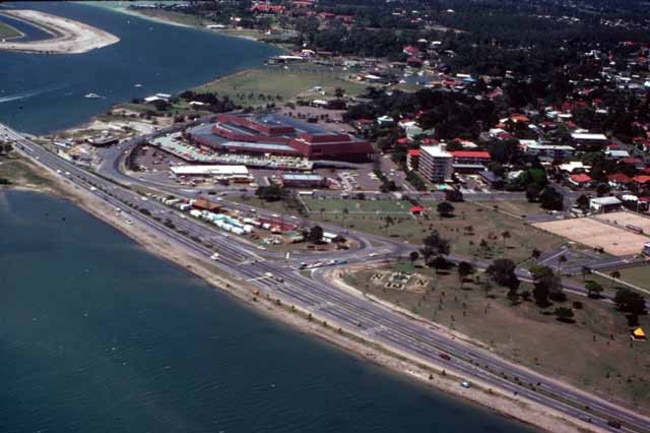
column 68, row 36
column 427, row 373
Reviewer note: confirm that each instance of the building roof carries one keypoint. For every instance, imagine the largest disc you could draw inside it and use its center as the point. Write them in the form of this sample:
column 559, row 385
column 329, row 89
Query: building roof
column 471, row 154
column 301, row 176
column 642, row 179
column 618, row 153
column 638, row 333
column 604, row 201
column 213, row 170
column 414, row 152
column 619, row 178
column 587, row 136
column 581, row 178
column 435, row 151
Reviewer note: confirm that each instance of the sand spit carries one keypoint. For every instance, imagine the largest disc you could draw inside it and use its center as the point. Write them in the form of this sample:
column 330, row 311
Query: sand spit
column 68, row 36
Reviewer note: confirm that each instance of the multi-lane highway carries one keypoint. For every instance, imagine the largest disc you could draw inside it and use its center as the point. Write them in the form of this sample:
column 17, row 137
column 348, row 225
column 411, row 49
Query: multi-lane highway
column 374, row 322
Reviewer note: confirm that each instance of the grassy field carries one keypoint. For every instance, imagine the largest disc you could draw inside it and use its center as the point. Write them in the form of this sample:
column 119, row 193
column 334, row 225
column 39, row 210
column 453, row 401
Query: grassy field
column 594, row 353
column 486, row 224
column 359, row 206
column 171, row 16
column 516, row 207
column 8, row 32
column 277, row 82
column 638, row 276
column 20, row 172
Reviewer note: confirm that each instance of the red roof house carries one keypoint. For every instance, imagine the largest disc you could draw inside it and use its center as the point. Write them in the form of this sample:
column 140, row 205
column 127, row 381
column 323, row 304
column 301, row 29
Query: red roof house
column 581, row 179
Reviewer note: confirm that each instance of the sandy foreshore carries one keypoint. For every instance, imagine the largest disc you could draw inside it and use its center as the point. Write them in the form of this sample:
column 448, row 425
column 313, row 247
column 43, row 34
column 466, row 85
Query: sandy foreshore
column 68, row 36
column 430, row 373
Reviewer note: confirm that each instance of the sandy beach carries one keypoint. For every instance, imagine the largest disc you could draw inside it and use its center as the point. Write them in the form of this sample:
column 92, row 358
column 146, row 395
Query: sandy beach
column 430, row 373
column 68, row 36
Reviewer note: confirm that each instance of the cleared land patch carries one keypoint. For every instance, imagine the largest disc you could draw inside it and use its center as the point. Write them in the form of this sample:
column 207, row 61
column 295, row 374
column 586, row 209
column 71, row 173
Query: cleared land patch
column 624, row 218
column 595, row 233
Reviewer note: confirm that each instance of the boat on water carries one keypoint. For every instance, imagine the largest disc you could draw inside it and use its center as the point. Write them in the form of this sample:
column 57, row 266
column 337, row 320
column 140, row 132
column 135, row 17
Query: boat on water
column 137, row 85
column 92, row 96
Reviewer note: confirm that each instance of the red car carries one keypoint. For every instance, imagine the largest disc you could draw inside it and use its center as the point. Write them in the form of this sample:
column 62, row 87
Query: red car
column 445, row 356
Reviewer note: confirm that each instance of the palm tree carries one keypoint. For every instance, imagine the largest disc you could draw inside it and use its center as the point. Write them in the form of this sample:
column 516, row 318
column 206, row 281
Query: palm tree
column 322, row 211
column 586, row 270
column 615, row 274
column 560, row 260
column 505, row 235
column 345, row 214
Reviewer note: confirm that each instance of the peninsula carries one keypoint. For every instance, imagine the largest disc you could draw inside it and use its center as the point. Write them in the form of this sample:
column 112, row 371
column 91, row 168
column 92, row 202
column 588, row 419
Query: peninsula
column 68, row 36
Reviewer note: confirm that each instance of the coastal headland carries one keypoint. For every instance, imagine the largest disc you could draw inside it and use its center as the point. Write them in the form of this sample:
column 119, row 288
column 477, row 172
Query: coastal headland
column 68, row 36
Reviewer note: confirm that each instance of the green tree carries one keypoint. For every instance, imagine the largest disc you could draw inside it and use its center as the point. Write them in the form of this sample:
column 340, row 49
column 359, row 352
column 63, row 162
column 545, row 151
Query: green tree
column 315, row 234
column 434, row 245
column 564, row 314
column 502, row 272
column 583, row 202
column 628, row 301
column 585, row 270
column 464, row 269
column 551, row 199
column 414, row 256
column 593, row 289
column 445, row 209
column 505, row 235
column 271, row 193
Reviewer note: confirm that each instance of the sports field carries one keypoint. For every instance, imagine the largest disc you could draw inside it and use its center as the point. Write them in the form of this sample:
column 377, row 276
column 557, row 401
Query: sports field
column 595, row 233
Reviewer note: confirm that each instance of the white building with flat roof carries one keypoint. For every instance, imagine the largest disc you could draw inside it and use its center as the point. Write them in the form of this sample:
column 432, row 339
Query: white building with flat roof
column 436, row 164
column 219, row 171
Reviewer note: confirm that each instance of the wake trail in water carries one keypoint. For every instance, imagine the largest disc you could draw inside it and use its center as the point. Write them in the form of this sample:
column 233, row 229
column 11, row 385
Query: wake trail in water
column 22, row 96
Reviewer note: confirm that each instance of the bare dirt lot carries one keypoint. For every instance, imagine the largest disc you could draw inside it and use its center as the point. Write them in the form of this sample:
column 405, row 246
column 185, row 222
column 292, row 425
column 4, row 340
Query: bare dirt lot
column 625, row 218
column 595, row 233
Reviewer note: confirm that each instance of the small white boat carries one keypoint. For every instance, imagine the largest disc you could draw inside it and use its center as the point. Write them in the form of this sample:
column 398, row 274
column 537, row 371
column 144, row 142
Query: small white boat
column 92, row 96
column 137, row 85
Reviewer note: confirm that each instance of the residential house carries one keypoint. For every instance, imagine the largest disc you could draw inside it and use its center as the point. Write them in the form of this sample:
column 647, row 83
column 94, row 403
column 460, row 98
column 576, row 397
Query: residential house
column 581, row 180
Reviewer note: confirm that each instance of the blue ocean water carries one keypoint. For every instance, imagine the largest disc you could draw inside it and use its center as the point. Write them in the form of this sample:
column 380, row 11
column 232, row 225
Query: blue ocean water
column 44, row 93
column 97, row 335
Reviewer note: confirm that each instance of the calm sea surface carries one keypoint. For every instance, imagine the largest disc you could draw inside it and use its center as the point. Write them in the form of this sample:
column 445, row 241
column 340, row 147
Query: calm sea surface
column 98, row 336
column 41, row 93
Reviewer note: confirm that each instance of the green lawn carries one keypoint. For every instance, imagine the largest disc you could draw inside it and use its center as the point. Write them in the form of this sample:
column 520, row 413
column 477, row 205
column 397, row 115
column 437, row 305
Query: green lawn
column 8, row 32
column 638, row 276
column 486, row 224
column 174, row 17
column 278, row 85
column 359, row 206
